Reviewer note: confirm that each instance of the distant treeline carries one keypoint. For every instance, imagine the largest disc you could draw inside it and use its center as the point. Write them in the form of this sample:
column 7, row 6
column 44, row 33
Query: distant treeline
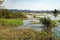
column 32, row 11
column 5, row 13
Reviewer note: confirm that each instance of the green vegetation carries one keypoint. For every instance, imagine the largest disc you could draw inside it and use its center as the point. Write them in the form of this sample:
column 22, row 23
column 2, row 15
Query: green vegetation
column 4, row 13
column 59, row 21
column 55, row 13
column 34, row 16
column 25, row 34
column 11, row 19
column 10, row 22
column 48, row 23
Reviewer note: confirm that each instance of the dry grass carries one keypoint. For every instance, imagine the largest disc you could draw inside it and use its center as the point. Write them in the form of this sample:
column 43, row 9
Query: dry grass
column 23, row 34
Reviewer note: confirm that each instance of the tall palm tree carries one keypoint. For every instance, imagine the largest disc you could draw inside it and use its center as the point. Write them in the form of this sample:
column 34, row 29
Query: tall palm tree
column 55, row 13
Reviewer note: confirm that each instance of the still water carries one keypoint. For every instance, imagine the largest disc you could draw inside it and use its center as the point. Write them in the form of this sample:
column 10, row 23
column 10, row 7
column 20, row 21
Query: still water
column 39, row 27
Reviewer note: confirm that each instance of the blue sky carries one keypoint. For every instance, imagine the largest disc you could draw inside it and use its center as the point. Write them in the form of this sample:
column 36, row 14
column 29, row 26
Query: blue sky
column 32, row 4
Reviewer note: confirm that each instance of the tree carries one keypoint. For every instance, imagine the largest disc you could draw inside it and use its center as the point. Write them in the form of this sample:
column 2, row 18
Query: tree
column 5, row 13
column 55, row 13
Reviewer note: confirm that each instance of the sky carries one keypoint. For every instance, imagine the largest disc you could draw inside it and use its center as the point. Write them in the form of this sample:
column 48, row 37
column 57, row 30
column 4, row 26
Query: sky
column 32, row 4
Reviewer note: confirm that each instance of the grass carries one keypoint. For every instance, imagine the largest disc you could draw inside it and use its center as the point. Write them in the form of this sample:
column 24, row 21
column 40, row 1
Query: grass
column 59, row 21
column 24, row 34
column 10, row 22
column 21, row 34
